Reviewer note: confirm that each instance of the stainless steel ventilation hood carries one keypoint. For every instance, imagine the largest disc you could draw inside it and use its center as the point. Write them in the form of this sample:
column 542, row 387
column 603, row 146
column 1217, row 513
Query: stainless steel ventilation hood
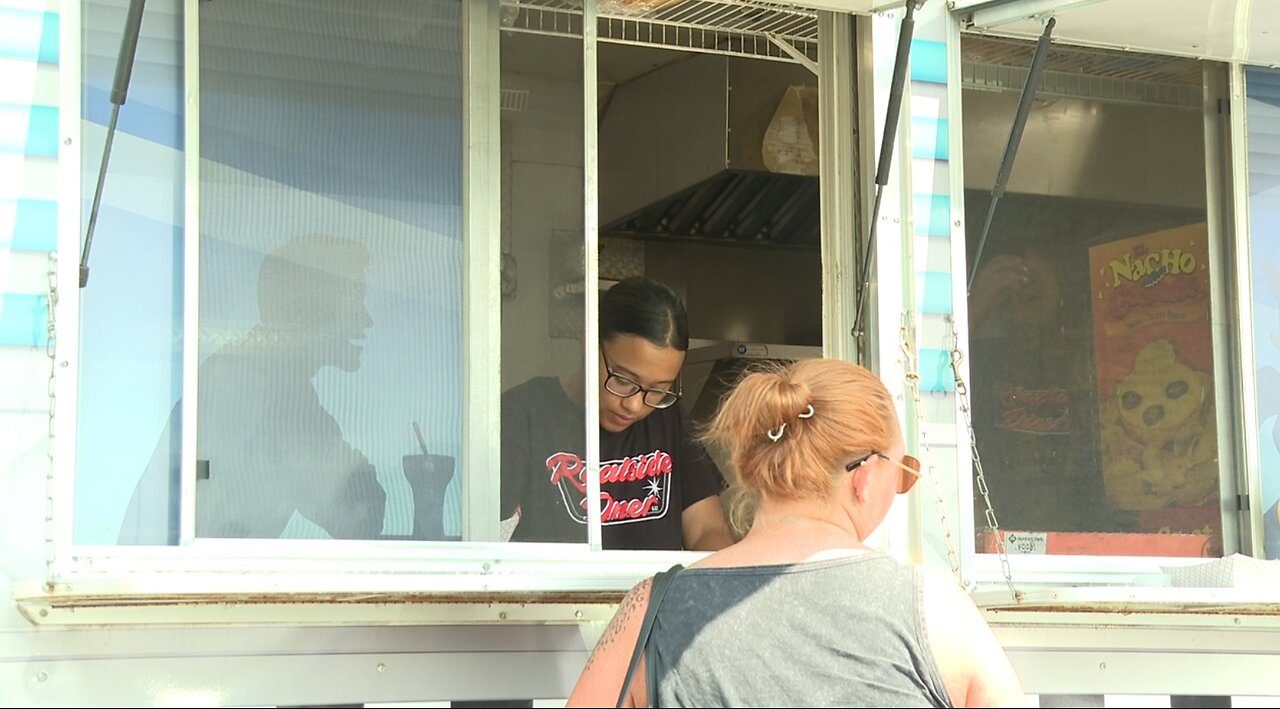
column 712, row 148
column 712, row 369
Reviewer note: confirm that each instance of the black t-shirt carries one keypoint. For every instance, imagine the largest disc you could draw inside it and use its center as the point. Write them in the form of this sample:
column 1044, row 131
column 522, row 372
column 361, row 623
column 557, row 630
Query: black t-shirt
column 650, row 473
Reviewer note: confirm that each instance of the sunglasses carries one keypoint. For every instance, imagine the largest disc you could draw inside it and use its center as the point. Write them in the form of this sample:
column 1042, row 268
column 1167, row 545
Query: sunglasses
column 908, row 474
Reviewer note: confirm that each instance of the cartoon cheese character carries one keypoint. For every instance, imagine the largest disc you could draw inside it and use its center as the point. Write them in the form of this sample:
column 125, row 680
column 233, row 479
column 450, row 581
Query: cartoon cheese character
column 1158, row 436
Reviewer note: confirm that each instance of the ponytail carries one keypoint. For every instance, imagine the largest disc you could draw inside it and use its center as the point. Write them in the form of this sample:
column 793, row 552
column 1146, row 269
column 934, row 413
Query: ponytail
column 789, row 430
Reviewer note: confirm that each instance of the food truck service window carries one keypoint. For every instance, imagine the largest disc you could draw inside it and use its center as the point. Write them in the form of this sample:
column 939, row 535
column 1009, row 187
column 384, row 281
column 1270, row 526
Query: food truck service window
column 344, row 293
column 289, row 329
column 1094, row 367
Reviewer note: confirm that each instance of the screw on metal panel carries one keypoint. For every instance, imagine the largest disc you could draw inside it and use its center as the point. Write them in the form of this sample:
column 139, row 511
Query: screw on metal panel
column 382, row 667
column 577, row 614
column 485, row 566
column 502, row 615
column 1102, row 665
column 42, row 676
column 44, row 612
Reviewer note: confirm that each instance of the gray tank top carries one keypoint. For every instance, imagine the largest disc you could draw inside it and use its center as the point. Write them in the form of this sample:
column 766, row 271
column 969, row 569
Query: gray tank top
column 839, row 633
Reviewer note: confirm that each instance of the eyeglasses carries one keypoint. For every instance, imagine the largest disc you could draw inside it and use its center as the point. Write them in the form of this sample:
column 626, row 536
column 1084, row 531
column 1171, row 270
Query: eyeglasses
column 907, row 476
column 621, row 386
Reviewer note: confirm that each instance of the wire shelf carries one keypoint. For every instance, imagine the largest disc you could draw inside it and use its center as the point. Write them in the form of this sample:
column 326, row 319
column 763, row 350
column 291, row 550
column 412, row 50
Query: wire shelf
column 1111, row 89
column 754, row 29
column 995, row 63
column 748, row 17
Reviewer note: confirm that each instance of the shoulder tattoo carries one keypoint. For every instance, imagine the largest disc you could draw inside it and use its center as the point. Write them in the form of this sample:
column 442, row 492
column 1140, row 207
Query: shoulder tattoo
column 636, row 601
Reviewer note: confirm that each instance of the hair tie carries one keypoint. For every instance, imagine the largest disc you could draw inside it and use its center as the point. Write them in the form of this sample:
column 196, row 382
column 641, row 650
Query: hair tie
column 775, row 434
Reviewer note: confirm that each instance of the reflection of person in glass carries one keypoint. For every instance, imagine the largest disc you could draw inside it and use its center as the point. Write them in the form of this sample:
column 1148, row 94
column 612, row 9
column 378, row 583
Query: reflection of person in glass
column 659, row 490
column 1030, row 390
column 270, row 446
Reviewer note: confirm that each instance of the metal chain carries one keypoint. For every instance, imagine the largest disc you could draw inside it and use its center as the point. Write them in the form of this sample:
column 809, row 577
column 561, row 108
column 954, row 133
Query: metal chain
column 962, row 397
column 51, row 350
column 911, row 367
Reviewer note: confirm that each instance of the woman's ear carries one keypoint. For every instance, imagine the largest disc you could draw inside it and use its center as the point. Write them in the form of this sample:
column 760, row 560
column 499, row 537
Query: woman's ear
column 858, row 482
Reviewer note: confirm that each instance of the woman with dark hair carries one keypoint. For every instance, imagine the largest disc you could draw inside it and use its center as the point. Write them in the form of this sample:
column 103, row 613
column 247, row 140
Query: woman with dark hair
column 802, row 612
column 658, row 489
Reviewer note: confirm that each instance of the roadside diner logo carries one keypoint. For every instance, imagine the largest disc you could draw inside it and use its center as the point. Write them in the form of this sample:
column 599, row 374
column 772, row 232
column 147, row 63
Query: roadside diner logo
column 1027, row 410
column 632, row 488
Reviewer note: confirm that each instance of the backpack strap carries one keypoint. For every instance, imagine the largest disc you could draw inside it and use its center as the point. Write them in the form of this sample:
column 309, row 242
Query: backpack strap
column 658, row 589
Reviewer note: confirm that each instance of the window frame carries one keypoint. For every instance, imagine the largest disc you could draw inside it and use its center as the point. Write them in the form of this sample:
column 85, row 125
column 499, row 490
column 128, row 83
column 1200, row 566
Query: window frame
column 1228, row 245
column 1253, row 531
column 481, row 564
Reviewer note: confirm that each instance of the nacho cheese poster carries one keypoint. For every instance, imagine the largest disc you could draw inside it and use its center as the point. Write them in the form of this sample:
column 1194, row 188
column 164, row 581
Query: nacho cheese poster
column 1154, row 353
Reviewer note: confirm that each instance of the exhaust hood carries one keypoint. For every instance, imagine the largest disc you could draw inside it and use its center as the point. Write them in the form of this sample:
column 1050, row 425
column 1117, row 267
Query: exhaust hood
column 712, row 369
column 713, row 148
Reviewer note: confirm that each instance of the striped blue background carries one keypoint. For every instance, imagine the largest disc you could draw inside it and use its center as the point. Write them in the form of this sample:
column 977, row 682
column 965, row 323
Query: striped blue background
column 28, row 35
column 933, row 216
column 928, row 61
column 29, row 147
column 931, row 211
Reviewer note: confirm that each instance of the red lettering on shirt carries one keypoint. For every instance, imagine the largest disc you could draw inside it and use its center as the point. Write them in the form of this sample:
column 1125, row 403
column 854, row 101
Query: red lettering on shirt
column 653, row 470
column 612, row 510
column 640, row 467
column 567, row 468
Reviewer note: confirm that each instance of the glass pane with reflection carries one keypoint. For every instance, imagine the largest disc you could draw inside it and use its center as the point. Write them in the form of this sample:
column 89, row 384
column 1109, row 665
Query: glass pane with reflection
column 1092, row 357
column 330, row 381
